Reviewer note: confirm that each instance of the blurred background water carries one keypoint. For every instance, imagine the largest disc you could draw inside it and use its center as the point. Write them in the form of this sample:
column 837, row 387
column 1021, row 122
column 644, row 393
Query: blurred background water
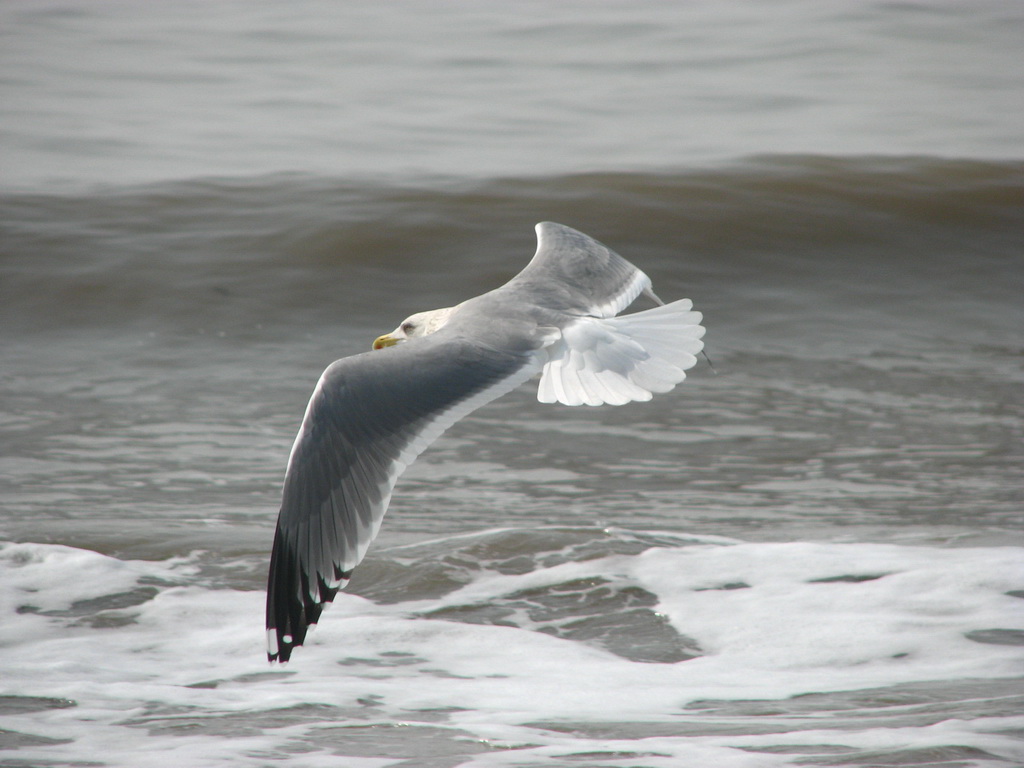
column 117, row 91
column 204, row 204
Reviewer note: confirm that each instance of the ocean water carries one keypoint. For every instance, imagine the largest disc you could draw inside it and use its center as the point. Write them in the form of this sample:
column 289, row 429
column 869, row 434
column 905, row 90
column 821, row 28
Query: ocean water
column 811, row 554
column 117, row 91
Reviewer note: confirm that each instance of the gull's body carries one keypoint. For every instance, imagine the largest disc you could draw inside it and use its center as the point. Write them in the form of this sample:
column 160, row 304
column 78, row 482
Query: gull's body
column 372, row 414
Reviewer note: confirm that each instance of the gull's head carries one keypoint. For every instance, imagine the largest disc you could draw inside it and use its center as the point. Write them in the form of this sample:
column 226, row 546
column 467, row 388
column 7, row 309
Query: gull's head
column 420, row 324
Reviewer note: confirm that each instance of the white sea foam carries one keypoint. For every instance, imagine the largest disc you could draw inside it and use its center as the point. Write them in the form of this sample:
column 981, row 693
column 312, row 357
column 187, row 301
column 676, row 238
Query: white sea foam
column 179, row 677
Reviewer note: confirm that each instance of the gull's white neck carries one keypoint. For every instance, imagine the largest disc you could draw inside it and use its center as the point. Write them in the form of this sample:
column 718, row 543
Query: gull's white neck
column 435, row 319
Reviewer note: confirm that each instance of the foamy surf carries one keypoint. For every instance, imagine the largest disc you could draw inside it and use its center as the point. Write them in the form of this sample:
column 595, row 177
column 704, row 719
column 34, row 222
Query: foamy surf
column 732, row 654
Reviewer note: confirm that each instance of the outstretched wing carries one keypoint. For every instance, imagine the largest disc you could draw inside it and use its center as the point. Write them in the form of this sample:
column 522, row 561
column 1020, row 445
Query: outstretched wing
column 573, row 273
column 370, row 416
column 599, row 358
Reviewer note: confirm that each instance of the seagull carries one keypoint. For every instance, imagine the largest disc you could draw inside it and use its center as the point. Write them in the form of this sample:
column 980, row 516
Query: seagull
column 373, row 413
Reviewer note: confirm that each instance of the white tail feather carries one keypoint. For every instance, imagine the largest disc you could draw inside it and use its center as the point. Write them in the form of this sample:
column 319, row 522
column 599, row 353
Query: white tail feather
column 617, row 360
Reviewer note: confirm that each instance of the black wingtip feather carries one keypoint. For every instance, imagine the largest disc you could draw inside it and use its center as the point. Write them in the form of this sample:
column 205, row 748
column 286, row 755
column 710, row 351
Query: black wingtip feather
column 291, row 610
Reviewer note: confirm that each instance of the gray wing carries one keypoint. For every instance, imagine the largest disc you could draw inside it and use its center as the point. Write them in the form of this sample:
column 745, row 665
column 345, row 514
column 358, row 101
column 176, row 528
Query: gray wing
column 370, row 416
column 572, row 272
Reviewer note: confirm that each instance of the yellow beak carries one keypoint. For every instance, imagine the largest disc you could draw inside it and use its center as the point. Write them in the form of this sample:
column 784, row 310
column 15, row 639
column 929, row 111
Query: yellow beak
column 387, row 340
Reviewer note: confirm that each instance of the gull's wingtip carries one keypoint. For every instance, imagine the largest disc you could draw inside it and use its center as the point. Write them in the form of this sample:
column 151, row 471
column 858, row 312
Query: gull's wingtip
column 548, row 226
column 273, row 649
column 281, row 644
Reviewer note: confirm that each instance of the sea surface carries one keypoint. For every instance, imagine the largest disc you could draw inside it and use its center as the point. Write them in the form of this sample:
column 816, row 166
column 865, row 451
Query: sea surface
column 811, row 553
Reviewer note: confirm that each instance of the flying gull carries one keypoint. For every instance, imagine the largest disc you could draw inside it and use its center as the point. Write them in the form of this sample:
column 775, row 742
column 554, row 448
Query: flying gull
column 372, row 414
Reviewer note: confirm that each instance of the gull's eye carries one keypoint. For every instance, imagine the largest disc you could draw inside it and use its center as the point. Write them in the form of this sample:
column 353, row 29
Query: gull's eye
column 406, row 327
